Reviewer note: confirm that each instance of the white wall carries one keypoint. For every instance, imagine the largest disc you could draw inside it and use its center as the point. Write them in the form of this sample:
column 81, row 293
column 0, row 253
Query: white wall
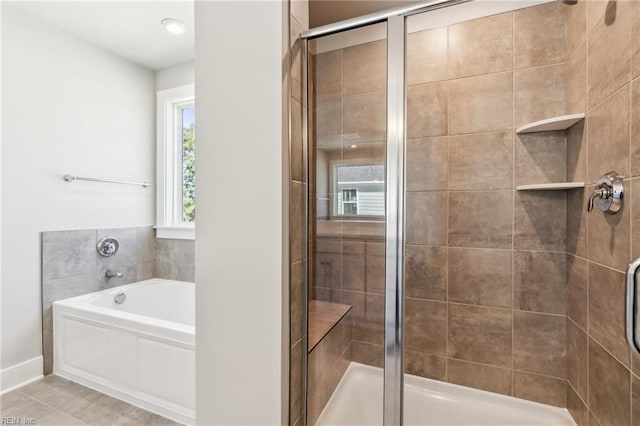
column 240, row 262
column 1, row 269
column 67, row 107
column 176, row 76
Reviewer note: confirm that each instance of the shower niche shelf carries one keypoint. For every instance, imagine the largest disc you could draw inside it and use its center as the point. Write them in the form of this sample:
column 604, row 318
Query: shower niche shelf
column 562, row 122
column 561, row 186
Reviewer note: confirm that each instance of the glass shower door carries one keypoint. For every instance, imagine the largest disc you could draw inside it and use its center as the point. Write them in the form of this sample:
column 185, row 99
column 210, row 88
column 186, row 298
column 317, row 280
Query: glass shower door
column 444, row 287
column 347, row 88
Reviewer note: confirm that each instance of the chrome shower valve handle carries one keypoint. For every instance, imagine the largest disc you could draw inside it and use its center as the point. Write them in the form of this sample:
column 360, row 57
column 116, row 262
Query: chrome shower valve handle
column 608, row 194
column 107, row 246
column 601, row 193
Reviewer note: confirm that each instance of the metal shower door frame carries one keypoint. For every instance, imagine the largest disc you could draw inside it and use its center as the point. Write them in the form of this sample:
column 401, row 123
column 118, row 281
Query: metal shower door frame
column 394, row 187
column 394, row 223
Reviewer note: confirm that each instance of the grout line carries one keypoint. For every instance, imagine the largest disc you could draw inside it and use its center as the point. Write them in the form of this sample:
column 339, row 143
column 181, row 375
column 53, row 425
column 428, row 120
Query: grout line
column 487, row 132
column 446, row 329
column 516, row 370
column 480, row 363
column 491, row 249
column 513, row 198
column 602, row 265
column 630, row 196
column 586, row 175
column 489, row 74
column 471, row 190
column 471, row 305
column 607, row 98
column 576, row 392
column 578, row 326
column 610, row 354
column 50, row 406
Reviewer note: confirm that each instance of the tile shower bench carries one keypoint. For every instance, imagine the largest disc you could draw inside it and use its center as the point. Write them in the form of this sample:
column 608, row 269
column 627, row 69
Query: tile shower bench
column 329, row 338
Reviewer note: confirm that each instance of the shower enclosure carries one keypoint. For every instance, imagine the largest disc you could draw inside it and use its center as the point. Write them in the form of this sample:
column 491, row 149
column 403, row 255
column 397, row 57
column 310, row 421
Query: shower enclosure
column 446, row 226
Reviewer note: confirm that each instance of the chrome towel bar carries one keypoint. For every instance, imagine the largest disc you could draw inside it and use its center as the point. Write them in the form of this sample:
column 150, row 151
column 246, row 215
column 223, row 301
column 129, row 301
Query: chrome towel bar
column 632, row 312
column 71, row 178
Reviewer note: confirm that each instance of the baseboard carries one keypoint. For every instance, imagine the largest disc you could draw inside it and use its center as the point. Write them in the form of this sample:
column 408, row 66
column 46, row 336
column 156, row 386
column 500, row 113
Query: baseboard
column 21, row 374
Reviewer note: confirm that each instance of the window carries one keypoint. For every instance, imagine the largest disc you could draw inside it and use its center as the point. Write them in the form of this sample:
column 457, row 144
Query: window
column 176, row 203
column 188, row 164
column 350, row 201
column 358, row 189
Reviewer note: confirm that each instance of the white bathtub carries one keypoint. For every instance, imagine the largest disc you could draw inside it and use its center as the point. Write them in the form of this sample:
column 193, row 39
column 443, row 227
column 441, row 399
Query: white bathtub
column 358, row 401
column 141, row 351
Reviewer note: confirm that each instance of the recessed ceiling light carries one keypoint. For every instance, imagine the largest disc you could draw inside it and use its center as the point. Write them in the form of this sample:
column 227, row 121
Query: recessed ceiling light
column 174, row 26
column 354, row 146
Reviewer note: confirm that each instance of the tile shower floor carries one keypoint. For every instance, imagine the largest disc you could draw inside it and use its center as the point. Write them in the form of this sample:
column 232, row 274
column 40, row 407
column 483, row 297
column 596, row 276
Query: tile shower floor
column 57, row 401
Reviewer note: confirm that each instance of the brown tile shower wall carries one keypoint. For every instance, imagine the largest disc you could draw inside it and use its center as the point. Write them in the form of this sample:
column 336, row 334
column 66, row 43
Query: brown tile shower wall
column 603, row 80
column 71, row 267
column 297, row 224
column 485, row 264
column 351, row 271
column 485, row 269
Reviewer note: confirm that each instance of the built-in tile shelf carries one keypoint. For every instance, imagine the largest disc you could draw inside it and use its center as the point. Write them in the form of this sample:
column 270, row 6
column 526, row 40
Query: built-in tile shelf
column 561, row 186
column 562, row 122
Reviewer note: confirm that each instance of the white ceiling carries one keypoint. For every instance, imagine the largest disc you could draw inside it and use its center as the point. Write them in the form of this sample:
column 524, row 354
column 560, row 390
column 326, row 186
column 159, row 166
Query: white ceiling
column 130, row 29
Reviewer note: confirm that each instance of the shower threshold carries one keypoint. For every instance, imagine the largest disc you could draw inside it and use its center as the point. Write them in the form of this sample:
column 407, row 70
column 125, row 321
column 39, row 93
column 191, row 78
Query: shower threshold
column 358, row 401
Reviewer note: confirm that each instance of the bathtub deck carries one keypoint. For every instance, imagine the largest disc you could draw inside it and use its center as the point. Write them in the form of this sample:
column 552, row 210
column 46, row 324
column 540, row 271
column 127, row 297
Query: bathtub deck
column 358, row 401
column 60, row 402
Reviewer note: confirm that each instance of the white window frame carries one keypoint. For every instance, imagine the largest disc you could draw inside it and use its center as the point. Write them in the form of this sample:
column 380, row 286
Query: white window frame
column 169, row 222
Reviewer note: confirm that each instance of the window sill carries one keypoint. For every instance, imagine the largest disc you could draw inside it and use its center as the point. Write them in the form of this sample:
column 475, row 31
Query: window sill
column 186, row 232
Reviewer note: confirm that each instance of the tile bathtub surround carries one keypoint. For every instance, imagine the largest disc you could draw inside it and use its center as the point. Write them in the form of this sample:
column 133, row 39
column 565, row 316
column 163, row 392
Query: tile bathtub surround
column 175, row 259
column 71, row 266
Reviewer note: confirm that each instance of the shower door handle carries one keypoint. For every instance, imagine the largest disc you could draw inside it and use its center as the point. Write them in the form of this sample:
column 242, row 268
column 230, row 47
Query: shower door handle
column 633, row 307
